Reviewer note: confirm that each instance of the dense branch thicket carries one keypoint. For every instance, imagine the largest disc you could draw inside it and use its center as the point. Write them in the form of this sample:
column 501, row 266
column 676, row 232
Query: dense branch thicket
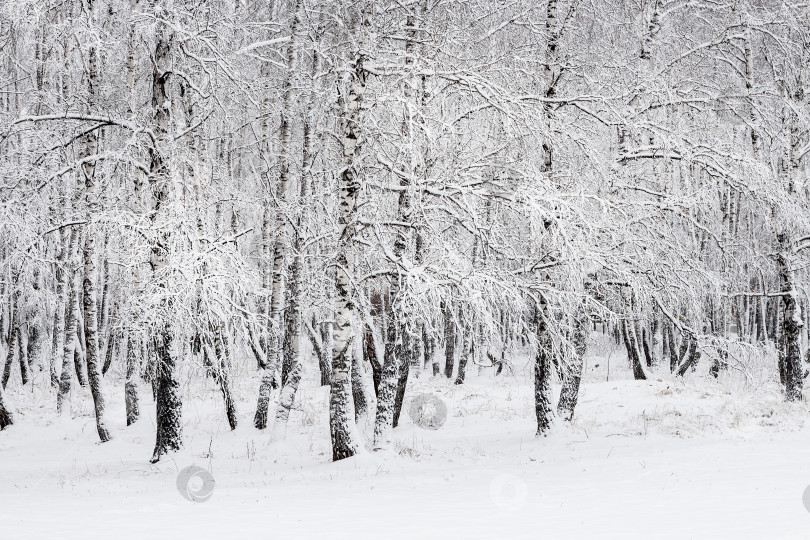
column 398, row 184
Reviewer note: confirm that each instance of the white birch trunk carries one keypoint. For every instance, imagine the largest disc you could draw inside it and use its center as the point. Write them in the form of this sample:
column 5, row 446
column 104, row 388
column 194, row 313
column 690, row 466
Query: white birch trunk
column 167, row 386
column 90, row 297
column 275, row 341
column 341, row 407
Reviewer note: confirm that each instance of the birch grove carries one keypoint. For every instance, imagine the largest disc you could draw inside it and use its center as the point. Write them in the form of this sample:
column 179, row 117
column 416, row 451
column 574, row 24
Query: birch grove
column 382, row 192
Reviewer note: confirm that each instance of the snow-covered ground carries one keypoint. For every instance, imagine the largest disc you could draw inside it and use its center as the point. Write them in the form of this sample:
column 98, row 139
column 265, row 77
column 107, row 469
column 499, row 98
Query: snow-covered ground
column 659, row 459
